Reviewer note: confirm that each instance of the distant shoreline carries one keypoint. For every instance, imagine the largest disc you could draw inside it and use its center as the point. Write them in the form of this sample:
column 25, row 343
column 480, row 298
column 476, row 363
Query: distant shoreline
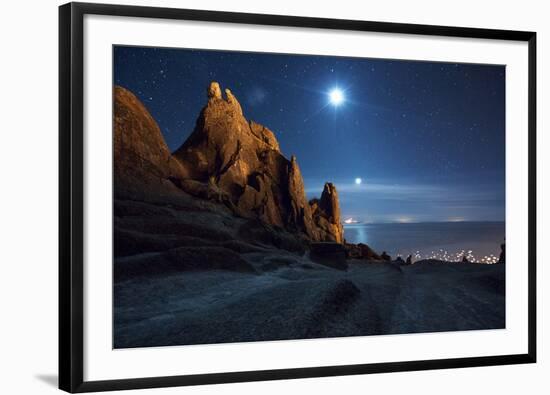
column 448, row 241
column 423, row 223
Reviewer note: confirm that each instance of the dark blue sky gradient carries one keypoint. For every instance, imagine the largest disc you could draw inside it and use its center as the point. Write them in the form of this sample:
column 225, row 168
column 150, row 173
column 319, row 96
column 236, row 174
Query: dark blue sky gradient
column 426, row 138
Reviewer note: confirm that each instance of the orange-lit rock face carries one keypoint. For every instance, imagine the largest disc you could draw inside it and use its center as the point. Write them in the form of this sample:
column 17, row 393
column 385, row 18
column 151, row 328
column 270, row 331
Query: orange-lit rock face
column 227, row 157
column 142, row 161
column 244, row 159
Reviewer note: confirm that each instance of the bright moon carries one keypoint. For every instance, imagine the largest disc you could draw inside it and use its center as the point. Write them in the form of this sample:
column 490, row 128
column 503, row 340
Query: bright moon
column 358, row 181
column 336, row 96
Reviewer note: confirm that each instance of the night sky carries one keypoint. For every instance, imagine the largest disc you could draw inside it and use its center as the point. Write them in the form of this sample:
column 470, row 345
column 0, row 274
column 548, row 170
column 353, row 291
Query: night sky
column 425, row 138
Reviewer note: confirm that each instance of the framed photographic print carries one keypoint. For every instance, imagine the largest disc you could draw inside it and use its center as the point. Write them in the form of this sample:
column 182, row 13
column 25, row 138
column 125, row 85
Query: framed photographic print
column 258, row 197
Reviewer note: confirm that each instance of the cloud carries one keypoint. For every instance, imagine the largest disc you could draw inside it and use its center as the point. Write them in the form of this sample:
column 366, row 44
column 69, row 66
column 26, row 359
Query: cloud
column 379, row 201
column 390, row 191
column 256, row 96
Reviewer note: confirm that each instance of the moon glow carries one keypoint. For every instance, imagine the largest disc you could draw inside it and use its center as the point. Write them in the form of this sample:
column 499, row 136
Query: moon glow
column 336, row 97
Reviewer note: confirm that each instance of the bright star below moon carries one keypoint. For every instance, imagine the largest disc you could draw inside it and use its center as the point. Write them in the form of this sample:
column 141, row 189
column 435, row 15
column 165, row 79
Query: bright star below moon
column 336, row 97
column 358, row 181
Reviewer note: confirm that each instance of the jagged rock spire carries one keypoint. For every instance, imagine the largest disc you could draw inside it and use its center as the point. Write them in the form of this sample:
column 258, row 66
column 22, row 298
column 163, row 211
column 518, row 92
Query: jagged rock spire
column 231, row 99
column 329, row 202
column 245, row 161
column 326, row 214
column 214, row 91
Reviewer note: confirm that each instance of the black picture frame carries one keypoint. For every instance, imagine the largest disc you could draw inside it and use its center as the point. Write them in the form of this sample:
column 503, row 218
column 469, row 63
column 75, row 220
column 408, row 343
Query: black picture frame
column 71, row 223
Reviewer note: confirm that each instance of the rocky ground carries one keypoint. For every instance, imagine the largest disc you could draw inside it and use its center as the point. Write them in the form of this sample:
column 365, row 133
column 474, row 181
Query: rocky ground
column 193, row 273
column 290, row 297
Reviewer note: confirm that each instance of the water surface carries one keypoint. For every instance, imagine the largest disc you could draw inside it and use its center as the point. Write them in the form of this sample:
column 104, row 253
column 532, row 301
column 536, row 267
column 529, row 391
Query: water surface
column 480, row 241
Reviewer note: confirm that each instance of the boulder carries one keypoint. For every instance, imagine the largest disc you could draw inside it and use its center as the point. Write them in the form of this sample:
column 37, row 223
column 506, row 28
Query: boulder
column 329, row 254
column 361, row 251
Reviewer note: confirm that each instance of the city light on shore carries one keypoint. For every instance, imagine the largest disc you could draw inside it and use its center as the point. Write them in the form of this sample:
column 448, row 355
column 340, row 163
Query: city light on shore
column 458, row 256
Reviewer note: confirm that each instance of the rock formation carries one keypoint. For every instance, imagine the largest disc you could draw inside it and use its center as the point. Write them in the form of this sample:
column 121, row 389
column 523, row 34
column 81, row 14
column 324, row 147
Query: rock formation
column 142, row 162
column 399, row 260
column 361, row 251
column 226, row 159
column 243, row 160
column 502, row 256
column 329, row 254
column 326, row 214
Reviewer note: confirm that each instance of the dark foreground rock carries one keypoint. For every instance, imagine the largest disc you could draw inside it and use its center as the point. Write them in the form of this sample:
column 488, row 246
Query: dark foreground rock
column 332, row 307
column 329, row 254
column 338, row 299
column 155, row 239
column 361, row 251
column 290, row 301
column 502, row 256
column 180, row 259
column 399, row 261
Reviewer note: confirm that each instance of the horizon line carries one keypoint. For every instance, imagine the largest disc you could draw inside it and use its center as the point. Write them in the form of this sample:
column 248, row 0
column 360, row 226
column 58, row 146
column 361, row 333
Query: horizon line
column 419, row 222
